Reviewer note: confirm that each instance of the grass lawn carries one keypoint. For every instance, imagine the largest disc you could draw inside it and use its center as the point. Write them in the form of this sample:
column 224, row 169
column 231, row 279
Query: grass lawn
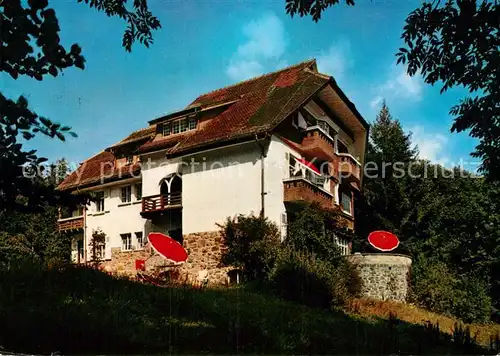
column 82, row 311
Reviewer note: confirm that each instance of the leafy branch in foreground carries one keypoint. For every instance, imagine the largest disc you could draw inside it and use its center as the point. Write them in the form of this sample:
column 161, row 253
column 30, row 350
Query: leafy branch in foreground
column 457, row 44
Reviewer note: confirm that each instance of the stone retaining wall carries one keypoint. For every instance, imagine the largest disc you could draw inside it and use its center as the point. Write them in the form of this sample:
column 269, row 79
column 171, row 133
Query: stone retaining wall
column 385, row 276
column 204, row 259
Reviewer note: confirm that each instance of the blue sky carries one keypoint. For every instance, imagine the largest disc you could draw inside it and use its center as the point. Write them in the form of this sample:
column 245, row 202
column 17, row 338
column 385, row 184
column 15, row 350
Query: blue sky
column 204, row 45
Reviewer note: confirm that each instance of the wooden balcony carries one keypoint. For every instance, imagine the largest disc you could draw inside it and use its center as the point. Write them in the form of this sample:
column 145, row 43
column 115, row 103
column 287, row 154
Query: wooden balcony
column 303, row 190
column 318, row 144
column 71, row 223
column 159, row 203
column 349, row 168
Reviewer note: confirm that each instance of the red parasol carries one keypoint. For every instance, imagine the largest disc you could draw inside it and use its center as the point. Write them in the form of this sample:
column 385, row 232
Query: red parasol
column 383, row 240
column 167, row 247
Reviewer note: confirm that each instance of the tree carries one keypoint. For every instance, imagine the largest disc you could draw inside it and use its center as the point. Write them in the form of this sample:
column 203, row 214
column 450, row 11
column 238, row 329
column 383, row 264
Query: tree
column 456, row 43
column 31, row 47
column 28, row 235
column 384, row 204
column 97, row 244
column 251, row 244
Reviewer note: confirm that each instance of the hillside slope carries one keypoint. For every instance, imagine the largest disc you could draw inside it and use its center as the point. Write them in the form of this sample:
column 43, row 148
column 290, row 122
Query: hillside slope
column 78, row 311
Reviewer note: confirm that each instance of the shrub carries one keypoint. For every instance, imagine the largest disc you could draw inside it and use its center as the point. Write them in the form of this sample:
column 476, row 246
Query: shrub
column 438, row 289
column 304, row 278
column 311, row 229
column 251, row 243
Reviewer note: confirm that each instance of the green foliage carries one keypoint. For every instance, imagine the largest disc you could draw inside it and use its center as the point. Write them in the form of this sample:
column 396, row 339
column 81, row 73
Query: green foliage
column 456, row 43
column 312, row 230
column 438, row 288
column 251, row 244
column 97, row 241
column 34, row 235
column 118, row 316
column 300, row 276
column 31, row 46
column 439, row 214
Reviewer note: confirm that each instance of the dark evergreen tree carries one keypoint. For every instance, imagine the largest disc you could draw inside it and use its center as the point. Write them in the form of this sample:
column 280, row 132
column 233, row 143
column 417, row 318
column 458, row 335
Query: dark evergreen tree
column 383, row 202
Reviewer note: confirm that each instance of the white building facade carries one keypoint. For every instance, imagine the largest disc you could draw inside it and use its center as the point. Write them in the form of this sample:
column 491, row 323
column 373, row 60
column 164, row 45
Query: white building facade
column 188, row 171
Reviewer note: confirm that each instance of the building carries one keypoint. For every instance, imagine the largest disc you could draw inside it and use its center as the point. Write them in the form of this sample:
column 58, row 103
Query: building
column 258, row 146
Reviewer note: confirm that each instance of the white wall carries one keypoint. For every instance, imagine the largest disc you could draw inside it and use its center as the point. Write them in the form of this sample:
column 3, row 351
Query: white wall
column 154, row 169
column 217, row 187
column 117, row 218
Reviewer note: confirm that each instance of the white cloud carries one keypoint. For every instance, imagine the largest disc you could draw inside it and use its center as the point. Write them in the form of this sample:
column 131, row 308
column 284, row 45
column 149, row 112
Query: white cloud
column 432, row 146
column 336, row 61
column 376, row 101
column 240, row 70
column 265, row 42
column 399, row 85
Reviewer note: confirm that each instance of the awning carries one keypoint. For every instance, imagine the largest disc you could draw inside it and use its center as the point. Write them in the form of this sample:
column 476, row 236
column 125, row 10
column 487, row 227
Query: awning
column 308, row 164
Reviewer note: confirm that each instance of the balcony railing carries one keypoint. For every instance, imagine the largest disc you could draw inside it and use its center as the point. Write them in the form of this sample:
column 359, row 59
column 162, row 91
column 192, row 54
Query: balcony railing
column 349, row 167
column 317, row 143
column 306, row 185
column 71, row 223
column 161, row 202
column 300, row 189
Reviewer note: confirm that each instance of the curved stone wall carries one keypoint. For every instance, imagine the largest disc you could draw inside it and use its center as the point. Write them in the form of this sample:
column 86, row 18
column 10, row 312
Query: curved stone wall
column 385, row 276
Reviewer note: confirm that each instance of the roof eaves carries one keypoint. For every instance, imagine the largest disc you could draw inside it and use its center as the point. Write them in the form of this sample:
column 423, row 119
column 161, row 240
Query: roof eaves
column 189, row 110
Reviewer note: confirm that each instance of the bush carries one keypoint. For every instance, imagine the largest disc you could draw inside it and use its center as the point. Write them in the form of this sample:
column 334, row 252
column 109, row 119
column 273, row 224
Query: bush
column 306, row 279
column 438, row 289
column 251, row 243
column 311, row 229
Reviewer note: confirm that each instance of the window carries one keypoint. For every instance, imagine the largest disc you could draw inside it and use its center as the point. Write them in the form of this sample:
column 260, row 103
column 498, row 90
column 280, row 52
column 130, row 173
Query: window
column 346, row 199
column 176, row 127
column 192, row 123
column 99, row 203
column 183, row 125
column 130, row 159
column 284, row 225
column 100, row 251
column 139, row 238
column 126, row 194
column 138, row 191
column 343, row 245
column 167, row 127
column 126, row 242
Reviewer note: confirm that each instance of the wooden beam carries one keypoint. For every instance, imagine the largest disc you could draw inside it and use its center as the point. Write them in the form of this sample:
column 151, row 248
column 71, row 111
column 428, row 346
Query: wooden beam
column 324, row 106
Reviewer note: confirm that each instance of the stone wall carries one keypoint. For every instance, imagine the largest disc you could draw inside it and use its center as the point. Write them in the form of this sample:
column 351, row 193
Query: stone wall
column 205, row 251
column 204, row 259
column 385, row 276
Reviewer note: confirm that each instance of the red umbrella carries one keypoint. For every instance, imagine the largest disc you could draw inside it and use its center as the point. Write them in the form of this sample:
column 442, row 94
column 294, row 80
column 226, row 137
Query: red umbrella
column 167, row 247
column 383, row 240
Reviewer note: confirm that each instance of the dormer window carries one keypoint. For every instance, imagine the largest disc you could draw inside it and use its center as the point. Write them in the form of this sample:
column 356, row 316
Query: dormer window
column 178, row 126
column 166, row 129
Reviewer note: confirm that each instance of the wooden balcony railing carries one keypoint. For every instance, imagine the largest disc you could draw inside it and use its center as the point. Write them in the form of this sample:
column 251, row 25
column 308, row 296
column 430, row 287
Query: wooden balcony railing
column 349, row 167
column 300, row 189
column 318, row 144
column 161, row 202
column 71, row 223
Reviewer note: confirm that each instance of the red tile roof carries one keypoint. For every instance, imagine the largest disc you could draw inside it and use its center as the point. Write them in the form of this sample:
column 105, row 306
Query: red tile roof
column 254, row 106
column 97, row 170
column 261, row 104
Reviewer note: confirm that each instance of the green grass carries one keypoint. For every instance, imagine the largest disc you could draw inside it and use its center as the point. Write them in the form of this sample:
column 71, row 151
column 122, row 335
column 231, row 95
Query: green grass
column 82, row 311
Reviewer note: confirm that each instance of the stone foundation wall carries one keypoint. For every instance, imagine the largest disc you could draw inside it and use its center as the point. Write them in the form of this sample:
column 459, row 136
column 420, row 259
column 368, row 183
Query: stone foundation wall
column 384, row 276
column 204, row 259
